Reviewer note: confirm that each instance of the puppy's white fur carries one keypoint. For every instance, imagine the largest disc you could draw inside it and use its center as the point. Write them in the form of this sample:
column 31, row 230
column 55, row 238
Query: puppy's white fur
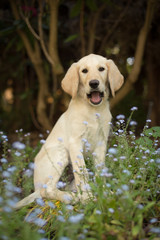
column 87, row 119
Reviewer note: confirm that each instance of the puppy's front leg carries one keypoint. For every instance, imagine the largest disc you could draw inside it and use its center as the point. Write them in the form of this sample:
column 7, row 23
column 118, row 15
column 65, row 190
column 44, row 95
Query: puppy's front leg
column 78, row 164
column 79, row 169
column 100, row 152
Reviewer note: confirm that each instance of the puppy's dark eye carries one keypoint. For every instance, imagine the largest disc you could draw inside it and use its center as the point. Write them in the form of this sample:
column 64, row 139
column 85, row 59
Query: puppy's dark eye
column 101, row 69
column 85, row 70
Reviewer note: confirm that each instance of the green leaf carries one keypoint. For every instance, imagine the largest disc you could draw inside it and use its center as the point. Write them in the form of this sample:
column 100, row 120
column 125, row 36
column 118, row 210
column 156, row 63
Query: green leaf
column 116, row 222
column 11, row 29
column 11, row 43
column 92, row 219
column 91, row 5
column 154, row 131
column 76, row 9
column 135, row 230
column 71, row 38
column 19, row 46
column 149, row 205
column 144, row 141
column 7, row 30
column 17, row 22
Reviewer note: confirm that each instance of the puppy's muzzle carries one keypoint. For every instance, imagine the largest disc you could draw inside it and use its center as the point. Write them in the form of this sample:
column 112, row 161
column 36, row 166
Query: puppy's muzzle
column 95, row 96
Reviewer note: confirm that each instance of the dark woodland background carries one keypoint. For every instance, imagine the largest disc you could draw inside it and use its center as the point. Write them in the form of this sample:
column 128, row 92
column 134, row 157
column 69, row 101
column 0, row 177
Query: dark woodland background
column 40, row 39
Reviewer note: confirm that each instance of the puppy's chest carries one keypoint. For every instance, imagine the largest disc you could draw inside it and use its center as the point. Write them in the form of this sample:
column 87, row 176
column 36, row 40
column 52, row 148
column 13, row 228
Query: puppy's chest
column 94, row 131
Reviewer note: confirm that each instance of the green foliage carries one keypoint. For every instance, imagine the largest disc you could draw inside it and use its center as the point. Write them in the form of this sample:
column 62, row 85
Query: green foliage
column 71, row 38
column 125, row 193
column 91, row 4
column 154, row 132
column 7, row 30
column 13, row 227
column 76, row 9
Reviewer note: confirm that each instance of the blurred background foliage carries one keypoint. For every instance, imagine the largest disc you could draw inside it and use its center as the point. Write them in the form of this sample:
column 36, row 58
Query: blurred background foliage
column 40, row 39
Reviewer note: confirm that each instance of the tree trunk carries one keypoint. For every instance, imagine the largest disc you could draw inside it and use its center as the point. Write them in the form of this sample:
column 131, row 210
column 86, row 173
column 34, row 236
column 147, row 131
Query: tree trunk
column 43, row 94
column 57, row 67
column 35, row 57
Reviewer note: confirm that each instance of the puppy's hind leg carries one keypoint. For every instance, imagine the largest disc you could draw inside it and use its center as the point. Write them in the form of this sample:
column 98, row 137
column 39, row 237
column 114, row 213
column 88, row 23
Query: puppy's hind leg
column 52, row 169
column 52, row 192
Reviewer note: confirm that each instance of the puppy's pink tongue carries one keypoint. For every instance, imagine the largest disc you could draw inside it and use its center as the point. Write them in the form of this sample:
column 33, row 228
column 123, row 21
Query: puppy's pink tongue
column 95, row 97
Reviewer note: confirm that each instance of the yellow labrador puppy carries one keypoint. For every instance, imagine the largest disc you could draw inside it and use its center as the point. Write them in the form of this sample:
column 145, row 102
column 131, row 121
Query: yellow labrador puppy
column 83, row 127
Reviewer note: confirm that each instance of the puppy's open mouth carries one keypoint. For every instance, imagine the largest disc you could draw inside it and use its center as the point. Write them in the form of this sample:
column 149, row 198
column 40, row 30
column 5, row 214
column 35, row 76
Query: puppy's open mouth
column 95, row 97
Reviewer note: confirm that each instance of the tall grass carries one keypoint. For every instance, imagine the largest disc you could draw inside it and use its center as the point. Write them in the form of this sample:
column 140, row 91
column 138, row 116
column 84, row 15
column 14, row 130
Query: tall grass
column 125, row 202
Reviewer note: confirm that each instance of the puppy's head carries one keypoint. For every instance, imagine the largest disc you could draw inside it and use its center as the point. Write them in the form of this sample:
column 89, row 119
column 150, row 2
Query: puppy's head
column 89, row 78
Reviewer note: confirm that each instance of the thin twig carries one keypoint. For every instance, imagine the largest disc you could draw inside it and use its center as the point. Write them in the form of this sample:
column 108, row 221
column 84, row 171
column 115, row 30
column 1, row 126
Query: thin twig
column 107, row 36
column 26, row 20
column 50, row 60
column 40, row 36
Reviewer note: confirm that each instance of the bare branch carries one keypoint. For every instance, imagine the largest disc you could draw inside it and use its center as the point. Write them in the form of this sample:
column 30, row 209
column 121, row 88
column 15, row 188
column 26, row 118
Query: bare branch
column 112, row 29
column 92, row 28
column 133, row 76
column 40, row 36
column 26, row 20
column 20, row 32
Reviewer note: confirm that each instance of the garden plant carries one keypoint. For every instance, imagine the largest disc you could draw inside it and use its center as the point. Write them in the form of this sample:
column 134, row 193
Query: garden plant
column 125, row 201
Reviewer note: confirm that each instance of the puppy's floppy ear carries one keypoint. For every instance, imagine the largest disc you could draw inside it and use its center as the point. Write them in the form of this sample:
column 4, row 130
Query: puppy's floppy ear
column 70, row 81
column 115, row 78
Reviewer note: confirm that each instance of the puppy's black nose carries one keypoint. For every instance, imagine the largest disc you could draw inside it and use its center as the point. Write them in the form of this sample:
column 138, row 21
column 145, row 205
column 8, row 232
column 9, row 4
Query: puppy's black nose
column 94, row 83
